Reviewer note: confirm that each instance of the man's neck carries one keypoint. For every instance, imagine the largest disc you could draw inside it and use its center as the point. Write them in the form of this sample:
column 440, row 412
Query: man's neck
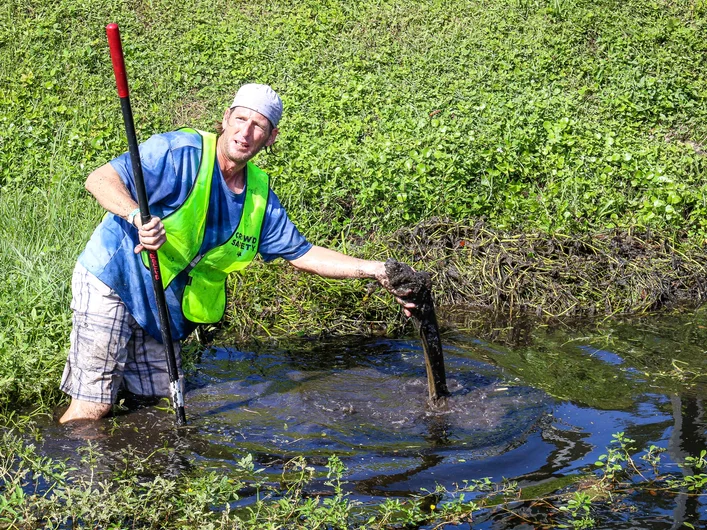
column 234, row 179
column 233, row 173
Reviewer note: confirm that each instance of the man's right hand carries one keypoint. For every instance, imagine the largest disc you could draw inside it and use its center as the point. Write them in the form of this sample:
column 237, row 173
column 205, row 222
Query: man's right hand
column 152, row 235
column 109, row 190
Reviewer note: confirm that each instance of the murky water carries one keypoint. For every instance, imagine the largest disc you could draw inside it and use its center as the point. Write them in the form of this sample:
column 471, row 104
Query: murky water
column 535, row 411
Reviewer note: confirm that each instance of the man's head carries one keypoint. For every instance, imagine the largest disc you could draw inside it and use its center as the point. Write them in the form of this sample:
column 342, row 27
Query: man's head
column 262, row 99
column 250, row 123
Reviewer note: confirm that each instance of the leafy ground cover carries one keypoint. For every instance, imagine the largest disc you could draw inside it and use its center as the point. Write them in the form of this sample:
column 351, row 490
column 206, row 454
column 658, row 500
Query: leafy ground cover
column 558, row 118
column 553, row 120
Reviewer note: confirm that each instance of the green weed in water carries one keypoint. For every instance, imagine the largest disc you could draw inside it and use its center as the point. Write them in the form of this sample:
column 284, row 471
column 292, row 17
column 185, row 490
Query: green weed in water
column 38, row 492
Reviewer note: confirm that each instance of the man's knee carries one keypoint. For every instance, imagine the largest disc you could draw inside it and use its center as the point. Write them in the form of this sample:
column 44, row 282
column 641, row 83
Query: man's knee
column 85, row 410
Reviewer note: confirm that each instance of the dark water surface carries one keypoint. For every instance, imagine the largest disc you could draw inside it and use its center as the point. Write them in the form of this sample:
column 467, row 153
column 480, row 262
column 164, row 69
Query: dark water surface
column 535, row 411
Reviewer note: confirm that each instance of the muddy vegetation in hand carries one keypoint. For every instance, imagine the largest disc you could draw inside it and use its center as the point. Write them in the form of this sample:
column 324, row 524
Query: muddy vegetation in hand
column 419, row 285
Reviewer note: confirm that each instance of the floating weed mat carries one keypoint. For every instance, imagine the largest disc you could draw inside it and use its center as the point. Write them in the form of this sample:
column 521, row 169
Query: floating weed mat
column 554, row 276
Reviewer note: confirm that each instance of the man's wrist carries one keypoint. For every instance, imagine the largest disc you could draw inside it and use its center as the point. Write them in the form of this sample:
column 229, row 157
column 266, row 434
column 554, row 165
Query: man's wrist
column 131, row 216
column 377, row 270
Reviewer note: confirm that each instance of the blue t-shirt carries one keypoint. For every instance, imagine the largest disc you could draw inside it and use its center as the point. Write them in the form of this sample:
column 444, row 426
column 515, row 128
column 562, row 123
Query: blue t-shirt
column 170, row 164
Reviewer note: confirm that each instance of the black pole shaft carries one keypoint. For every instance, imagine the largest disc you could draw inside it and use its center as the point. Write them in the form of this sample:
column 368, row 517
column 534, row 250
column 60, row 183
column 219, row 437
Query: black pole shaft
column 121, row 80
column 145, row 217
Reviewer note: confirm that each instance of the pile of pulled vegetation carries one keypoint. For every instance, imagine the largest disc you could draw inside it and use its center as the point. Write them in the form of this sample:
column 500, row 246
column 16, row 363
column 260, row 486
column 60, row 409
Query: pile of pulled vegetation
column 623, row 271
column 481, row 278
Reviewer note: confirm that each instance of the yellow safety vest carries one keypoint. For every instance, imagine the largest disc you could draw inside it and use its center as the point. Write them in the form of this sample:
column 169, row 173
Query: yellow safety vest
column 204, row 298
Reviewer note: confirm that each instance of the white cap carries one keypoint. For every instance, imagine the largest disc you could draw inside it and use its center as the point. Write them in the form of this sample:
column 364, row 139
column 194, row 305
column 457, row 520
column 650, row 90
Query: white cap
column 260, row 98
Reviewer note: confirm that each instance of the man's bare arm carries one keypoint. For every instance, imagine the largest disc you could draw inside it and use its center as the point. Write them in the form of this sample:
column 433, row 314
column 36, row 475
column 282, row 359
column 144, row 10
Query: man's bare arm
column 109, row 190
column 331, row 264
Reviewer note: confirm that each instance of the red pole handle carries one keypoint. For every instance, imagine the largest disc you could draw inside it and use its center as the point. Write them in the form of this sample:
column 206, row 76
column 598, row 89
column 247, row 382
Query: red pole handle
column 116, row 57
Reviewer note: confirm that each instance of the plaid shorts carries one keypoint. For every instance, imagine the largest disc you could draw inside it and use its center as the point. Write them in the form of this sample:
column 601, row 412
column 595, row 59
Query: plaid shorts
column 109, row 350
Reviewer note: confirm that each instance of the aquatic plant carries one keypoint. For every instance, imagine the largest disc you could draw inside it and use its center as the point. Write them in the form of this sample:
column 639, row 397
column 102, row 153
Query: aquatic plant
column 615, row 461
column 504, row 275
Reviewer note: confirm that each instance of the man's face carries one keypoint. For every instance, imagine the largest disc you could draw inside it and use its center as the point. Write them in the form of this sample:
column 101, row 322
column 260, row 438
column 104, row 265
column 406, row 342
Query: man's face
column 245, row 133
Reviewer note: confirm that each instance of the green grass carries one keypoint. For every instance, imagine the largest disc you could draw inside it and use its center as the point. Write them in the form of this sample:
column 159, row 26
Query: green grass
column 38, row 247
column 558, row 115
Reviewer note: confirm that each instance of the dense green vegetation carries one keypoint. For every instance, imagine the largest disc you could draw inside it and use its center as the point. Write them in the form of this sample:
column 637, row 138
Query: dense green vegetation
column 557, row 116
column 552, row 116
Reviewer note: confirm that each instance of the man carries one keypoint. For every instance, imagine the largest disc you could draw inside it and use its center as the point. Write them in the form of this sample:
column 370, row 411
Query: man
column 212, row 211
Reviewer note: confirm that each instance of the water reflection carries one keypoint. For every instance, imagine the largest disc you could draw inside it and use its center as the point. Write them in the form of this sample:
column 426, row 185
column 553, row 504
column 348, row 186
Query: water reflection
column 570, row 446
column 687, row 439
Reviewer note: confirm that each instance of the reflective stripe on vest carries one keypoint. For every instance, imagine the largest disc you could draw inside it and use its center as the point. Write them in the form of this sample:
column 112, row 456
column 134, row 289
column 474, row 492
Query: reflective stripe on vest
column 204, row 298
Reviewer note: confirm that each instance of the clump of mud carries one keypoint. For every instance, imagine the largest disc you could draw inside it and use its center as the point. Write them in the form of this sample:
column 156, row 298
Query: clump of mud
column 416, row 287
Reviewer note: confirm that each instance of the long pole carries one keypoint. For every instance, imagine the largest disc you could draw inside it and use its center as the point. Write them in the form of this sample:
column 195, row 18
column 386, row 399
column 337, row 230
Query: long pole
column 121, row 79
